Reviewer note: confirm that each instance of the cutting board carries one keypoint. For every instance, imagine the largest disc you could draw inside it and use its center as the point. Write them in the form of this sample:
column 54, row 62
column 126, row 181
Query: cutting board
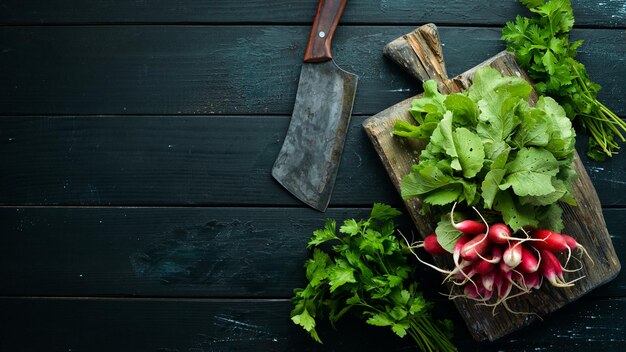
column 421, row 55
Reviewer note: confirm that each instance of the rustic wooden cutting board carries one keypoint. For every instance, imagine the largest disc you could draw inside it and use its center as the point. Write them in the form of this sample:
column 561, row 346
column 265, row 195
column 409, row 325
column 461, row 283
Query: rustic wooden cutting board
column 420, row 53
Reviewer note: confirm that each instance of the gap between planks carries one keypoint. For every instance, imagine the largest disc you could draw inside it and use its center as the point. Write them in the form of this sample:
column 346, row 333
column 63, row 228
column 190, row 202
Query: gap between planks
column 146, row 298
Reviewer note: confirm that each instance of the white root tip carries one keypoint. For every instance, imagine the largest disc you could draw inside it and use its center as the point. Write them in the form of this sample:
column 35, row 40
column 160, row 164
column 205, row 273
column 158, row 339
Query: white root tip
column 452, row 215
column 572, row 282
column 564, row 269
column 569, row 255
column 483, row 219
column 420, row 259
column 584, row 251
column 557, row 282
column 517, row 312
column 523, row 287
column 522, row 240
column 492, row 261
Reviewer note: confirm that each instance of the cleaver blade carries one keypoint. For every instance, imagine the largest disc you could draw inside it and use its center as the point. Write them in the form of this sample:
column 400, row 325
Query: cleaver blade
column 308, row 161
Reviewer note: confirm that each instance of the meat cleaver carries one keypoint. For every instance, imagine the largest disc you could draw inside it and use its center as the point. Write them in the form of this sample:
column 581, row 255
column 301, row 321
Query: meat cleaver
column 308, row 161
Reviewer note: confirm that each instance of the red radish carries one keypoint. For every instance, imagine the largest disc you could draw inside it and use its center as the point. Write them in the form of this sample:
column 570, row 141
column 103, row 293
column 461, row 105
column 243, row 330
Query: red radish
column 478, row 245
column 499, row 233
column 410, row 247
column 513, row 254
column 492, row 262
column 505, row 268
column 487, row 294
column 517, row 279
column 551, row 269
column 483, row 266
column 571, row 243
column 529, row 263
column 476, row 292
column 468, row 227
column 471, row 291
column 496, row 255
column 465, row 273
column 551, row 241
column 511, row 275
column 488, row 280
column 503, row 286
column 457, row 270
column 464, row 277
column 432, row 246
column 458, row 246
column 532, row 280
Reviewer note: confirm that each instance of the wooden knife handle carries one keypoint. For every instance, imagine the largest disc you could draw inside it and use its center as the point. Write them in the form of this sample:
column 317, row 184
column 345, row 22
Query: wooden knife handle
column 324, row 25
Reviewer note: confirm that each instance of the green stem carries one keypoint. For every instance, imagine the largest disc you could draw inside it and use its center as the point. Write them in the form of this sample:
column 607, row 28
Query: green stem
column 416, row 338
column 611, row 124
column 613, row 119
column 364, row 304
column 599, row 134
column 382, row 263
column 428, row 335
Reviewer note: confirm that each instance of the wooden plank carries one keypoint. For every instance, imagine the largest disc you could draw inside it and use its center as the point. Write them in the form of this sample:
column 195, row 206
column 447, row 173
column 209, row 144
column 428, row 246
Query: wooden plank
column 587, row 13
column 178, row 160
column 232, row 69
column 422, row 48
column 38, row 324
column 161, row 160
column 182, row 252
column 215, row 252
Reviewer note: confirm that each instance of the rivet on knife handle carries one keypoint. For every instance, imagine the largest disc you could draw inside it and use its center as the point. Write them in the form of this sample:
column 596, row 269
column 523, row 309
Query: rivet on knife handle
column 324, row 25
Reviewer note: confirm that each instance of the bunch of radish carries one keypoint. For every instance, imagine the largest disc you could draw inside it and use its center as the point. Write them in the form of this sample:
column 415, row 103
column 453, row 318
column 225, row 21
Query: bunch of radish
column 492, row 265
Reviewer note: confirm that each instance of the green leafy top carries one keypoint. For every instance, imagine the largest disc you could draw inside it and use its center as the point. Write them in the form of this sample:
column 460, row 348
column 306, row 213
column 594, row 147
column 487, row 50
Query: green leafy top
column 488, row 147
column 363, row 268
column 542, row 47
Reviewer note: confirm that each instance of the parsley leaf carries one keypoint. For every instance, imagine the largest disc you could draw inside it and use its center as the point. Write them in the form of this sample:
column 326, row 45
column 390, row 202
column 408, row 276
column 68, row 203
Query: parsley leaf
column 324, row 235
column 542, row 47
column 366, row 274
column 340, row 274
column 384, row 212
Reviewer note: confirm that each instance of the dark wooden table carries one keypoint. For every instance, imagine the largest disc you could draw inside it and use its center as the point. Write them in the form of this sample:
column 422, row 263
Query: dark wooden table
column 137, row 137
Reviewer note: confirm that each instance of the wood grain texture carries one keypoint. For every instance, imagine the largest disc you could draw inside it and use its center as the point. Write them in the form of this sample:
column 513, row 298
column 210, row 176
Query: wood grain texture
column 170, row 252
column 584, row 222
column 182, row 252
column 138, row 62
column 594, row 13
column 263, row 325
column 197, row 160
column 161, row 160
column 237, row 70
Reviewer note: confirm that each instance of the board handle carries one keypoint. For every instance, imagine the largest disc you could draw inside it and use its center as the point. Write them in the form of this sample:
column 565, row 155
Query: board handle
column 324, row 25
column 420, row 53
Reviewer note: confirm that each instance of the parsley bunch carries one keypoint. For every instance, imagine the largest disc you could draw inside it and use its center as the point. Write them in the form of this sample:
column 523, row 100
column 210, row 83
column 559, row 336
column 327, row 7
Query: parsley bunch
column 541, row 45
column 365, row 271
column 487, row 147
